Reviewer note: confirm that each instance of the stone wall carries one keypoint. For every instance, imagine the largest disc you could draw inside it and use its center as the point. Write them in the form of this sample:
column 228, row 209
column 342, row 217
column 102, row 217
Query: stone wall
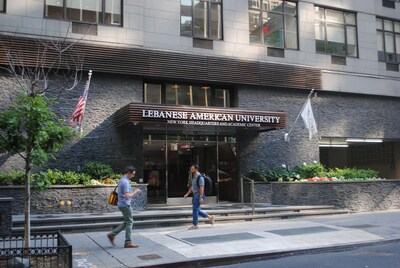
column 262, row 192
column 361, row 196
column 5, row 215
column 336, row 114
column 70, row 199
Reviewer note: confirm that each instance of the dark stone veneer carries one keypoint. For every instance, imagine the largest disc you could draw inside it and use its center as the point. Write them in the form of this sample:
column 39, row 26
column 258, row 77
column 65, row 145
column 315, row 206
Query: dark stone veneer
column 83, row 199
column 355, row 196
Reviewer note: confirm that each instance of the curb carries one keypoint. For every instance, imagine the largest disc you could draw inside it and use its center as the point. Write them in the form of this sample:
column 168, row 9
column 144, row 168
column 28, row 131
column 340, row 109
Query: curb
column 226, row 260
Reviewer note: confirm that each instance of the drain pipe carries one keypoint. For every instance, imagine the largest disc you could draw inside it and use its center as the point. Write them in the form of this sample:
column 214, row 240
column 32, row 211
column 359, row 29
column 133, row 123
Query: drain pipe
column 251, row 194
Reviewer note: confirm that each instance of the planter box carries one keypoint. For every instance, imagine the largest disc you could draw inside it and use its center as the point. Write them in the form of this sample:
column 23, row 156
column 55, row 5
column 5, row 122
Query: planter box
column 70, row 199
column 355, row 196
column 47, row 250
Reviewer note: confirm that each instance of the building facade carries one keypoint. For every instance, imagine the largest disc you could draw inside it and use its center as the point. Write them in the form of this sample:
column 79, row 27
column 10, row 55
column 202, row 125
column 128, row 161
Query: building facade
column 219, row 83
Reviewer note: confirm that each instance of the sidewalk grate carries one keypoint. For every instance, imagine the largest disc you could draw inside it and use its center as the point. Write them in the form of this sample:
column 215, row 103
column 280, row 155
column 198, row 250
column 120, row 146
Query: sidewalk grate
column 360, row 226
column 221, row 238
column 299, row 231
column 149, row 257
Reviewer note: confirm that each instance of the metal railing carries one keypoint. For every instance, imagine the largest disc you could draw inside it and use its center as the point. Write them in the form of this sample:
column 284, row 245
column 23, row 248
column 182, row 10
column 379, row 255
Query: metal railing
column 251, row 193
column 48, row 249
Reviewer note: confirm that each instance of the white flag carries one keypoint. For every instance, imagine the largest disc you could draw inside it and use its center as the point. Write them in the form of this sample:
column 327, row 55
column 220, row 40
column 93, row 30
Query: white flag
column 308, row 118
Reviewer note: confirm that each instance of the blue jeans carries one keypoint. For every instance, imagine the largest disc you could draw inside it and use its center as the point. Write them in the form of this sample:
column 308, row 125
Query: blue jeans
column 127, row 224
column 197, row 210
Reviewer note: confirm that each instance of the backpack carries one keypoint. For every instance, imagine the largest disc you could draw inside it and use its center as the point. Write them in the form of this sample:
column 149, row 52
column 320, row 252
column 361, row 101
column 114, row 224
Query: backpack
column 208, row 183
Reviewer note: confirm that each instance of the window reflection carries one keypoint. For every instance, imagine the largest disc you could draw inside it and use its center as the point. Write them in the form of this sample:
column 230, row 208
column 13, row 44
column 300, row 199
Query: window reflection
column 92, row 11
column 201, row 18
column 388, row 39
column 335, row 32
column 278, row 27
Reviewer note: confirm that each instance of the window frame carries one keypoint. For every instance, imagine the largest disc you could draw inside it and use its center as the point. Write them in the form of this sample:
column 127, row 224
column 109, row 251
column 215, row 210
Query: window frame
column 394, row 34
column 209, row 4
column 343, row 24
column 209, row 97
column 261, row 11
column 4, row 6
column 102, row 13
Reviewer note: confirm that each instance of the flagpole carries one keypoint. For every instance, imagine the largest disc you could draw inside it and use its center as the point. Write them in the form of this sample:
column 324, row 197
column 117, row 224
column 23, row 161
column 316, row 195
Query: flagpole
column 286, row 136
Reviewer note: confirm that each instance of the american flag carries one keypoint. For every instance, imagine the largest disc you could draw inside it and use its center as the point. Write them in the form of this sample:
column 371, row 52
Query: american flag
column 77, row 116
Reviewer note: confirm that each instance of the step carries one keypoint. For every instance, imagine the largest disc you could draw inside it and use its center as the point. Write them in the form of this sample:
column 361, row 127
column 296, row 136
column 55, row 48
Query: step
column 140, row 215
column 181, row 221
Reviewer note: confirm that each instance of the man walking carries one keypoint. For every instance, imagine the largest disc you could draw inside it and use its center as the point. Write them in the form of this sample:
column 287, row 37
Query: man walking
column 197, row 188
column 125, row 195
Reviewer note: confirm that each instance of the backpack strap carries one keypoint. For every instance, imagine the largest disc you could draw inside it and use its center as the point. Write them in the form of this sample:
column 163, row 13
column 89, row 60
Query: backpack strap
column 198, row 180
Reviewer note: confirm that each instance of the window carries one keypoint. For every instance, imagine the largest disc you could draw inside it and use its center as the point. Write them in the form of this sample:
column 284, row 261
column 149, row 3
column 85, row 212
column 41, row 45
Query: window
column 388, row 37
column 201, row 18
column 90, row 11
column 2, row 5
column 335, row 32
column 388, row 3
column 273, row 23
column 186, row 94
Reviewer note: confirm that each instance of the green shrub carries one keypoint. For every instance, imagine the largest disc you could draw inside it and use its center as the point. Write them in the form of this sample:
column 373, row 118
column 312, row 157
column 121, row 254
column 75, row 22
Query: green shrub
column 306, row 171
column 52, row 176
column 352, row 173
column 12, row 178
column 280, row 174
column 97, row 170
column 83, row 178
column 258, row 173
column 70, row 178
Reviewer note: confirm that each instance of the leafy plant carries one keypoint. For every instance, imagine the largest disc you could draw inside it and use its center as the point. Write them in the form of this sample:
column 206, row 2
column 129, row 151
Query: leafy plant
column 310, row 170
column 70, row 178
column 97, row 170
column 352, row 173
column 258, row 173
column 12, row 178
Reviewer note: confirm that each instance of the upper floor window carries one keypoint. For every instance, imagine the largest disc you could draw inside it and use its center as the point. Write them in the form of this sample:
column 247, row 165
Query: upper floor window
column 388, row 35
column 2, row 5
column 91, row 11
column 388, row 3
column 201, row 18
column 186, row 94
column 335, row 32
column 273, row 23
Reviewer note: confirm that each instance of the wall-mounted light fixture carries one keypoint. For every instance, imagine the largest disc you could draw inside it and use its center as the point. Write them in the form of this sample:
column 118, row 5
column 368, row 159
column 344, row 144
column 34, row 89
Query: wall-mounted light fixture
column 364, row 140
column 334, row 145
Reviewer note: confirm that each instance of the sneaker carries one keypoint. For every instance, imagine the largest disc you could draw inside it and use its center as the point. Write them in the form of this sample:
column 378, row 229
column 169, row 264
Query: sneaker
column 111, row 238
column 130, row 245
column 193, row 227
column 212, row 220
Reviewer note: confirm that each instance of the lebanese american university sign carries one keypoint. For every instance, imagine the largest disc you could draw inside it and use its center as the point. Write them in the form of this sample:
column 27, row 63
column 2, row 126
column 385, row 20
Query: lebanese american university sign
column 200, row 116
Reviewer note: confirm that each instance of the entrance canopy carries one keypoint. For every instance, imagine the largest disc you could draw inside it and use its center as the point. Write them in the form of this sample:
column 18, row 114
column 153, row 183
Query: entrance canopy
column 200, row 116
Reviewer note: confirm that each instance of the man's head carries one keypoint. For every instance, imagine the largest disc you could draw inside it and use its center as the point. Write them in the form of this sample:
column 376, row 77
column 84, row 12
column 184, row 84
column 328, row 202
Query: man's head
column 194, row 168
column 130, row 171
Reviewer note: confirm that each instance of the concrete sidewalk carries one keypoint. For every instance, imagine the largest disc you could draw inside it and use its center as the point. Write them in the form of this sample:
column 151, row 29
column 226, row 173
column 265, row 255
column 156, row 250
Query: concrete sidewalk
column 179, row 247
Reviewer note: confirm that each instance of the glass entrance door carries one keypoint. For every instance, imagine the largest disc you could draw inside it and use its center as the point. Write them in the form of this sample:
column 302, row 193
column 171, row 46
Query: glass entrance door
column 168, row 158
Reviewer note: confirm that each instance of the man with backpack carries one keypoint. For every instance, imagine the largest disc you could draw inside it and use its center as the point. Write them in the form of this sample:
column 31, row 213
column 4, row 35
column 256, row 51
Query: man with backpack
column 197, row 188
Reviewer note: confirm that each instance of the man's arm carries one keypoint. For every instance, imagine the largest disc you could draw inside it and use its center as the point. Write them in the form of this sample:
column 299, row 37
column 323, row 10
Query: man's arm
column 188, row 193
column 130, row 195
